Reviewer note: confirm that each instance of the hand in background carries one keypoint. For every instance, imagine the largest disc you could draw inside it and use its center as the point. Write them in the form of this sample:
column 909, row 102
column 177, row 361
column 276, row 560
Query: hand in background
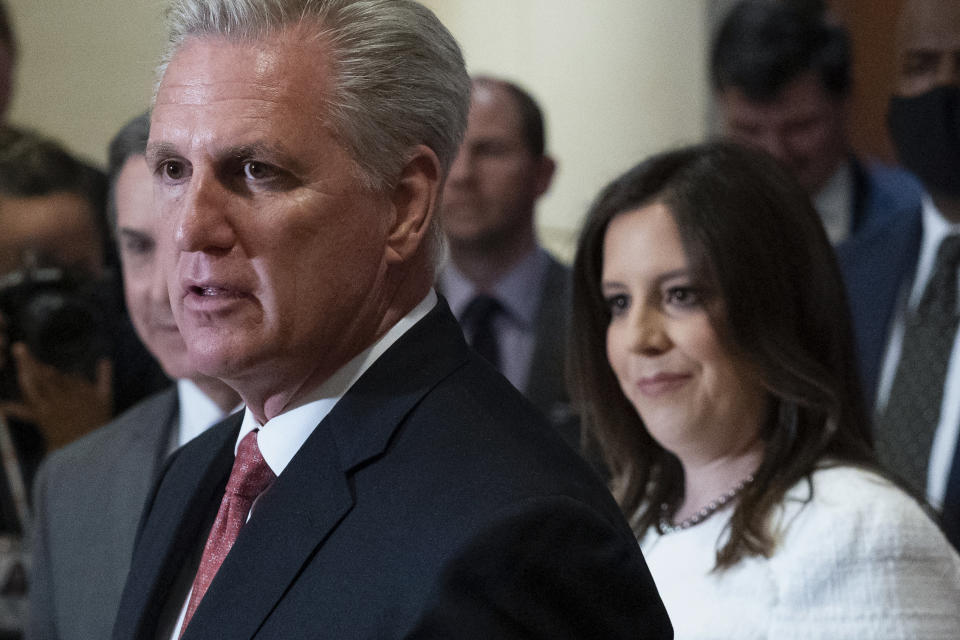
column 64, row 406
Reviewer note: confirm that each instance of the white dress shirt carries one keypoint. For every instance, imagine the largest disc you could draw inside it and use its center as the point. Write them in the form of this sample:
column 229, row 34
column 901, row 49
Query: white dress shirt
column 834, row 203
column 197, row 413
column 935, row 229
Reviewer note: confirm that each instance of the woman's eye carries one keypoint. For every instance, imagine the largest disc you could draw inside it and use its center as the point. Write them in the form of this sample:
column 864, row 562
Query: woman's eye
column 616, row 304
column 683, row 297
column 253, row 170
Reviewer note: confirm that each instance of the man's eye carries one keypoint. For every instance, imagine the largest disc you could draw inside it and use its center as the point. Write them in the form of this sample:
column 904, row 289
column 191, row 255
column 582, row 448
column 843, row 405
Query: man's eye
column 920, row 63
column 136, row 246
column 253, row 170
column 172, row 170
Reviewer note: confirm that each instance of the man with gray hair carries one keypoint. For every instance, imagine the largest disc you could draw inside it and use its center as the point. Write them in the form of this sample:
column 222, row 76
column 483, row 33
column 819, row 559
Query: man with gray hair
column 384, row 480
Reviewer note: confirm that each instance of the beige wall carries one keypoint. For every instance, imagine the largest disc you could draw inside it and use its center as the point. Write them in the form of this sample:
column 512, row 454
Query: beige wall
column 86, row 66
column 618, row 79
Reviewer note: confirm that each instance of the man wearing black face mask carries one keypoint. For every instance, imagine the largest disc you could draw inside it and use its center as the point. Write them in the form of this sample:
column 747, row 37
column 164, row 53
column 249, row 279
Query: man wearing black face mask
column 902, row 276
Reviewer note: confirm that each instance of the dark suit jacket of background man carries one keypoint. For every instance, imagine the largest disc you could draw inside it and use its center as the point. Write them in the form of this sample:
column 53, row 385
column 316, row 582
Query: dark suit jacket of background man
column 546, row 384
column 80, row 561
column 432, row 502
column 878, row 267
column 880, row 192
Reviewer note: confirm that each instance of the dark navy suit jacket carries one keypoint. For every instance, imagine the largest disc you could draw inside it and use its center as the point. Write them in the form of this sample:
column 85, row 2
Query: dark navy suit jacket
column 432, row 502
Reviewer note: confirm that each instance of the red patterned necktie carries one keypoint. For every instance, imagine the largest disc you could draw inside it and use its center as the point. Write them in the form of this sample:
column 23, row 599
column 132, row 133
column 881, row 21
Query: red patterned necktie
column 248, row 479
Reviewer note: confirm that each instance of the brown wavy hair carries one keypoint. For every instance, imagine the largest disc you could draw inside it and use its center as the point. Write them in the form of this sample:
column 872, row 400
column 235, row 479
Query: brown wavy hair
column 750, row 233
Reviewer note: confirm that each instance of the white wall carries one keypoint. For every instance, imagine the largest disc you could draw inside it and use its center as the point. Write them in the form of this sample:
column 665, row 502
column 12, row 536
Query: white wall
column 85, row 68
column 618, row 79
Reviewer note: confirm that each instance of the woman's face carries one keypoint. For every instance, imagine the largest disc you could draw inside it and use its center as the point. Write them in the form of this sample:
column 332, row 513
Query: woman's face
column 696, row 399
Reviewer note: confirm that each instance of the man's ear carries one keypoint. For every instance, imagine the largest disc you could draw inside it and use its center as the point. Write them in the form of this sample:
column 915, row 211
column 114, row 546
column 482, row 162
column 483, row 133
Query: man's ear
column 544, row 176
column 414, row 201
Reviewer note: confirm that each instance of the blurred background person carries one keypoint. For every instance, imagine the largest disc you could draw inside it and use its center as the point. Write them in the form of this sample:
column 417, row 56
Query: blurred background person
column 67, row 364
column 902, row 276
column 781, row 75
column 56, row 376
column 89, row 495
column 509, row 294
column 69, row 359
column 713, row 359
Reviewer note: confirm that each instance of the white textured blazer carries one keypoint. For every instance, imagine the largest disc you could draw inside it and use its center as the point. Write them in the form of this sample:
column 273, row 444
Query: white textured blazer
column 861, row 560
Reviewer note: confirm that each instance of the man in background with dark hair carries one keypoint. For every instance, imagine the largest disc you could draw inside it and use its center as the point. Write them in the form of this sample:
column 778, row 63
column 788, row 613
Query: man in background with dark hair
column 508, row 293
column 781, row 75
column 52, row 205
column 52, row 215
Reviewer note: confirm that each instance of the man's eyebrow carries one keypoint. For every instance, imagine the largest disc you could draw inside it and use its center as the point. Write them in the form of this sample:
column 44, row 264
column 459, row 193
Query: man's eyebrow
column 269, row 152
column 156, row 150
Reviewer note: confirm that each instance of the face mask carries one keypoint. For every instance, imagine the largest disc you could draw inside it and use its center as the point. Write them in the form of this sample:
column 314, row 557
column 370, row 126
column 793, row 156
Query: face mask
column 926, row 133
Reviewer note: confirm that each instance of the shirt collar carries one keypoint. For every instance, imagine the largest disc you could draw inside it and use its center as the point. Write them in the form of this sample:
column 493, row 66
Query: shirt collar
column 514, row 289
column 197, row 412
column 834, row 203
column 935, row 228
column 282, row 436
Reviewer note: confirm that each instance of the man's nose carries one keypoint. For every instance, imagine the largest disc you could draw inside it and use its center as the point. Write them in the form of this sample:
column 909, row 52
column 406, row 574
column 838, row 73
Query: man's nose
column 948, row 73
column 773, row 143
column 462, row 168
column 203, row 220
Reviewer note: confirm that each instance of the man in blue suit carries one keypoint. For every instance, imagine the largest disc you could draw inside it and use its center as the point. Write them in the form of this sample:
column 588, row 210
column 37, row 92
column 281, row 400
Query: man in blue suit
column 895, row 271
column 384, row 480
column 781, row 74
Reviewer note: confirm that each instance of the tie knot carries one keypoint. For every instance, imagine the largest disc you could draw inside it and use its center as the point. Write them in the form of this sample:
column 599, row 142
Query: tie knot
column 251, row 474
column 481, row 310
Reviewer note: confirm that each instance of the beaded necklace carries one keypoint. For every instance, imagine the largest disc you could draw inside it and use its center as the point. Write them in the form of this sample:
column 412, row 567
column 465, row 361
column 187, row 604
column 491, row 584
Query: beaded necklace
column 704, row 513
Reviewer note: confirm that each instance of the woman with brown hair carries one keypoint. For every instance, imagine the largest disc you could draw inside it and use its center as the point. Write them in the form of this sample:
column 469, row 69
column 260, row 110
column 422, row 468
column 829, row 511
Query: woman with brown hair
column 712, row 362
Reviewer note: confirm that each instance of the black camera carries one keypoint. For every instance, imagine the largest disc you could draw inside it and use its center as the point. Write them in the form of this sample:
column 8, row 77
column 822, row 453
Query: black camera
column 65, row 320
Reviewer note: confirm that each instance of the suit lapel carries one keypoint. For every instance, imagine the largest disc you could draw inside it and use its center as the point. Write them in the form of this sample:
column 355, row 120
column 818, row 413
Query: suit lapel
column 189, row 489
column 877, row 267
column 311, row 497
column 290, row 520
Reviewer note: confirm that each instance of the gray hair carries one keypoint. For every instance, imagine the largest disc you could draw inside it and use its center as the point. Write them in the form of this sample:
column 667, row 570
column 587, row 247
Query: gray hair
column 400, row 78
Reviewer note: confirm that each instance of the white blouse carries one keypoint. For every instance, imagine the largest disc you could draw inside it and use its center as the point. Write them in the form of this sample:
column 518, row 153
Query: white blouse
column 861, row 560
